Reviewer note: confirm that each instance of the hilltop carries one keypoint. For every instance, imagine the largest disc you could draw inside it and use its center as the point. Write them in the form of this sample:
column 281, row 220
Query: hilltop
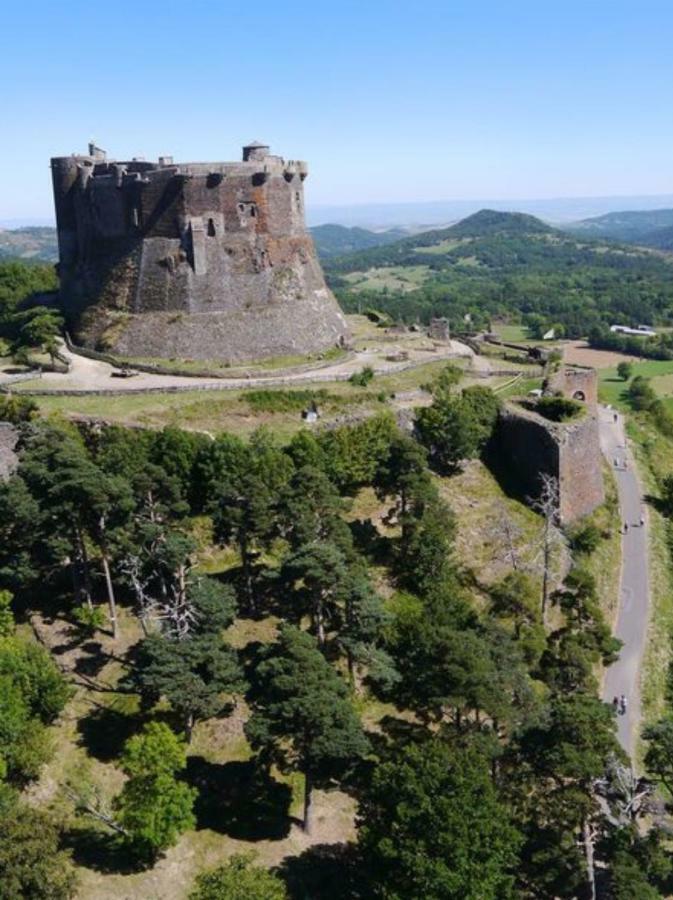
column 492, row 221
column 651, row 228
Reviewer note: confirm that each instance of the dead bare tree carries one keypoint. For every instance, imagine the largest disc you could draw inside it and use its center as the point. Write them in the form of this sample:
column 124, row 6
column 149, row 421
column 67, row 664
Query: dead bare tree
column 547, row 504
column 506, row 535
column 159, row 574
column 88, row 800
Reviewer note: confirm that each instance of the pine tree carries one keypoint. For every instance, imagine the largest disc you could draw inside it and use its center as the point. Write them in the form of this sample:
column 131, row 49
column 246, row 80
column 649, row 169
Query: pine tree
column 302, row 715
column 433, row 828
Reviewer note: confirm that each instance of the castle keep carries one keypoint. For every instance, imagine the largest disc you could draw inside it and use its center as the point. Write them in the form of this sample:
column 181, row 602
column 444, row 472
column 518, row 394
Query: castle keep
column 191, row 260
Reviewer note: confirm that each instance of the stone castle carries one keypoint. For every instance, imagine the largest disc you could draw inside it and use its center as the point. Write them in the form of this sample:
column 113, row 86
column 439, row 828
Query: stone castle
column 191, row 260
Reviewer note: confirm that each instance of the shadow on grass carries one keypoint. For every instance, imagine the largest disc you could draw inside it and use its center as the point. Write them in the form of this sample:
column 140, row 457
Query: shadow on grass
column 325, row 872
column 101, row 851
column 239, row 799
column 93, row 660
column 105, row 731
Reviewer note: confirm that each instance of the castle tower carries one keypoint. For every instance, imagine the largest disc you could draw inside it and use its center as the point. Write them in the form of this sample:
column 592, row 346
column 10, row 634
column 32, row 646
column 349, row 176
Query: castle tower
column 191, row 260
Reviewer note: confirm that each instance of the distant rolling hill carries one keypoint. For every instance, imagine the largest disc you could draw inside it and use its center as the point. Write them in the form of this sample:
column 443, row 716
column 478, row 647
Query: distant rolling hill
column 38, row 244
column 649, row 228
column 336, row 240
column 511, row 266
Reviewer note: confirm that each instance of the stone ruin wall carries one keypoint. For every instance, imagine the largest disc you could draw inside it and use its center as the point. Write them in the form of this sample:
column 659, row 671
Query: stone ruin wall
column 528, row 446
column 575, row 383
column 196, row 260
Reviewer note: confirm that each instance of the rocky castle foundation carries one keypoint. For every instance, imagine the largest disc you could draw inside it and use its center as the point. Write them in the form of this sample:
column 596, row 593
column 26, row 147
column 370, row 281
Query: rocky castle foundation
column 191, row 260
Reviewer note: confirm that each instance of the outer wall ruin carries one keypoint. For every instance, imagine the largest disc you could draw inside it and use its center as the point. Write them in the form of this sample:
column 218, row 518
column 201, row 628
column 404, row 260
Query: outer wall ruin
column 528, row 445
column 191, row 260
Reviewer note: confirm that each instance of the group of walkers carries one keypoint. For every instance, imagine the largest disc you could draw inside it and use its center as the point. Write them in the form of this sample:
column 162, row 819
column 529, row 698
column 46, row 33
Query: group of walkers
column 638, row 524
column 619, row 705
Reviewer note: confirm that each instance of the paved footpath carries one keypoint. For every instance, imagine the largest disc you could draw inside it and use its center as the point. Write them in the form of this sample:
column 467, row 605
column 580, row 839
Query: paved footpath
column 624, row 676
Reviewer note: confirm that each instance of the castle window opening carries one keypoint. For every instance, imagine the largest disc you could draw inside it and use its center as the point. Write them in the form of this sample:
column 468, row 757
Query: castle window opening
column 211, row 228
column 579, row 395
column 253, row 211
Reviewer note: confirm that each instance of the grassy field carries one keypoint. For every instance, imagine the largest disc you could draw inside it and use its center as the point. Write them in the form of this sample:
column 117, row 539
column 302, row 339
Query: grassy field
column 441, row 248
column 515, row 333
column 209, row 411
column 611, row 388
column 214, row 411
column 395, row 278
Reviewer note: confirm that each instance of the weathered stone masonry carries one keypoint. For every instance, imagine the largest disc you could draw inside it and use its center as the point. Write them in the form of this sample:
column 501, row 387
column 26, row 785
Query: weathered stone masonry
column 191, row 260
column 531, row 445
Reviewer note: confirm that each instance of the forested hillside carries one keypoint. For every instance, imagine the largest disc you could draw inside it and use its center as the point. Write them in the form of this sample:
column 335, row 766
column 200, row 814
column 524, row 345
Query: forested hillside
column 335, row 240
column 508, row 265
column 651, row 228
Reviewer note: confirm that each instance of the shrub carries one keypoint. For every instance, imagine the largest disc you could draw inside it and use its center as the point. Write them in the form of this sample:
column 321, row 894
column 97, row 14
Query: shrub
column 363, row 377
column 558, row 409
column 16, row 409
column 239, row 879
column 89, row 619
column 625, row 370
column 284, row 401
column 585, row 539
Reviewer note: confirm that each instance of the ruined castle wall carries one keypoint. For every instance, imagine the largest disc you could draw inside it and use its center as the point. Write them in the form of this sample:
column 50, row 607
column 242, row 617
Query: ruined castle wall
column 527, row 446
column 580, row 473
column 576, row 383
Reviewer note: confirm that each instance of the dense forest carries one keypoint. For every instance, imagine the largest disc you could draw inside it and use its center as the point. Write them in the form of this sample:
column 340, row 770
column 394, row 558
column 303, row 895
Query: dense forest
column 513, row 266
column 496, row 772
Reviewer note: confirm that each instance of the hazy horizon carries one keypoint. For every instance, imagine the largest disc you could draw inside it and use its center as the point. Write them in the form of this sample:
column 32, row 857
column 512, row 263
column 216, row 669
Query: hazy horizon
column 556, row 210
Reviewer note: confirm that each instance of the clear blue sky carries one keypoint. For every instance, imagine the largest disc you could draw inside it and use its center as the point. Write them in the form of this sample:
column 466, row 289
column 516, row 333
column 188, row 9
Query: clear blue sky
column 388, row 101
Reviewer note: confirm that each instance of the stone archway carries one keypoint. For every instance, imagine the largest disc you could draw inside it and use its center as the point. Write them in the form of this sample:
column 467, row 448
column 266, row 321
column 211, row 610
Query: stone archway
column 580, row 395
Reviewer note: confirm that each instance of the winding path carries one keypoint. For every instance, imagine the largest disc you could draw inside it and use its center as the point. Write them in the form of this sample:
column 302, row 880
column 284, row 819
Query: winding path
column 624, row 676
column 87, row 374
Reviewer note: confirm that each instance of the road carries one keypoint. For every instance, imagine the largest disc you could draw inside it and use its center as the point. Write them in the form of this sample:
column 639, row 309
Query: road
column 624, row 676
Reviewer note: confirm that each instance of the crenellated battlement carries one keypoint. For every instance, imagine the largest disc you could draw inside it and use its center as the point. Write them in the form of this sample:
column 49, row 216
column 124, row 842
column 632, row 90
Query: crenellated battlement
column 139, row 237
